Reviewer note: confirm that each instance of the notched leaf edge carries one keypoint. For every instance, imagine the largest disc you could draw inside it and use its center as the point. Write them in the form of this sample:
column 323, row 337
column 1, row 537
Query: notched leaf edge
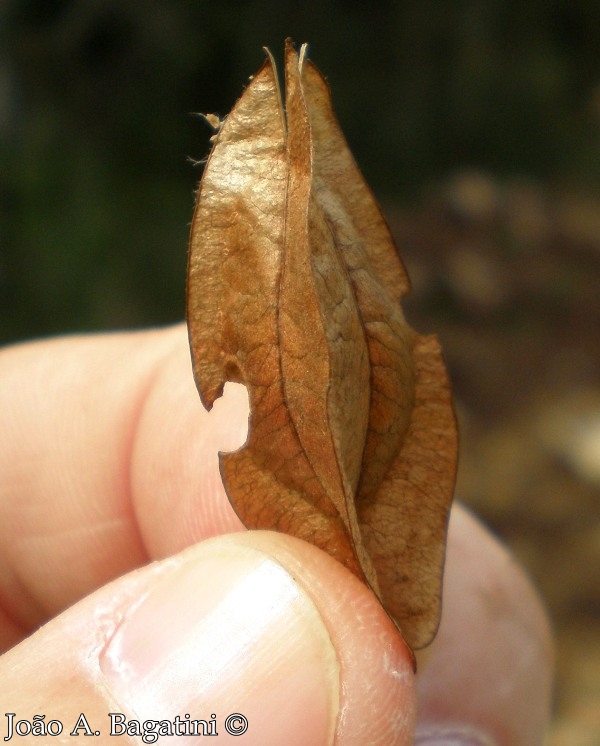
column 293, row 289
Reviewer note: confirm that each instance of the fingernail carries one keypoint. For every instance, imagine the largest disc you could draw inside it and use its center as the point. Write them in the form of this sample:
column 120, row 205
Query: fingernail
column 228, row 632
column 451, row 735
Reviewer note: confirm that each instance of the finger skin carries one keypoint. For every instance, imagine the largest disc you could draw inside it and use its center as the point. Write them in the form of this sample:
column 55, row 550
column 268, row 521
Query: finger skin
column 107, row 459
column 491, row 664
column 58, row 671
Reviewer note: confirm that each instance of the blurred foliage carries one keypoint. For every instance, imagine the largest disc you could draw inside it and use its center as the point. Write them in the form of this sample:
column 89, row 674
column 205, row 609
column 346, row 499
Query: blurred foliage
column 96, row 188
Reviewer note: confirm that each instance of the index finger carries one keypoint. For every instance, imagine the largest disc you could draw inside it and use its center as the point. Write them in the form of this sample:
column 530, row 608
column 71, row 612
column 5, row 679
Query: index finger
column 107, row 459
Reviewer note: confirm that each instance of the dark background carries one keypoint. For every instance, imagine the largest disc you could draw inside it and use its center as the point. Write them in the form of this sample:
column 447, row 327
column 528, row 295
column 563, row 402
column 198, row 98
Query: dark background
column 477, row 123
column 95, row 124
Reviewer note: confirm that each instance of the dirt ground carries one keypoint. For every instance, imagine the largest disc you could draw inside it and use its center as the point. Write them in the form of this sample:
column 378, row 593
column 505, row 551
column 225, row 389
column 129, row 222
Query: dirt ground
column 507, row 273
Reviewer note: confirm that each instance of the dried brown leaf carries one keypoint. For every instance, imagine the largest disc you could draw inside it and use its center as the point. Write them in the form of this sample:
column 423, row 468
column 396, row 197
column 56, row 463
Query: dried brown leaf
column 293, row 290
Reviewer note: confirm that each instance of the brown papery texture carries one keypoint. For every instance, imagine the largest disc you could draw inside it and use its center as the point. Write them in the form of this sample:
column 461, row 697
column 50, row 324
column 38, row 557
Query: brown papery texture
column 294, row 286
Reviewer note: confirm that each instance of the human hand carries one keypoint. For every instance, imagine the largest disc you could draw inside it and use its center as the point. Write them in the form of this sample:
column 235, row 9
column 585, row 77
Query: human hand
column 109, row 461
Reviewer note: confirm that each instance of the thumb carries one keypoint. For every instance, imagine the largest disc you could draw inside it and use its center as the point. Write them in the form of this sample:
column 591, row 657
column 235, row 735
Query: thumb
column 252, row 633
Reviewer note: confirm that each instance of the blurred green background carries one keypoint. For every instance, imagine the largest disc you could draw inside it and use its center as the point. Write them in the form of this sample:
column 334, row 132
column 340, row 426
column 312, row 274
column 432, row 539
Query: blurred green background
column 96, row 189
